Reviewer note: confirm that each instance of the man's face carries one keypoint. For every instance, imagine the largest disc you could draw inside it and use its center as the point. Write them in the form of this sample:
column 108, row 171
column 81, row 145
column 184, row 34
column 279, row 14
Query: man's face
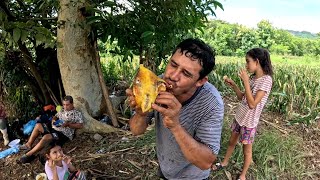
column 183, row 74
column 67, row 105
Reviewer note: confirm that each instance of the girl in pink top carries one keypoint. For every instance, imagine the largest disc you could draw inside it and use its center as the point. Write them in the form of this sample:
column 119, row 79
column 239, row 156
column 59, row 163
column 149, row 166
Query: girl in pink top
column 256, row 91
column 58, row 166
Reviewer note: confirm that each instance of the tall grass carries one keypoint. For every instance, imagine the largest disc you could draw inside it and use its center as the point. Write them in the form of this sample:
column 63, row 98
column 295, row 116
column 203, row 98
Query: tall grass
column 295, row 91
column 274, row 156
column 115, row 69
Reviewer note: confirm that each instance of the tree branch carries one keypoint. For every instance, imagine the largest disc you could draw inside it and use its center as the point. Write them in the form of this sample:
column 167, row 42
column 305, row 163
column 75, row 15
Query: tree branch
column 38, row 19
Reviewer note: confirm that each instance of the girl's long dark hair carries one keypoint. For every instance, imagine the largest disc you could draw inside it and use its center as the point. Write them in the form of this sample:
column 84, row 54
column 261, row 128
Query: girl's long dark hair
column 49, row 146
column 263, row 56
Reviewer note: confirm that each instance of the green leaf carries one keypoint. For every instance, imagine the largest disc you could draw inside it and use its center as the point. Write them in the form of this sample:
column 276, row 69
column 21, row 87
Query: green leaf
column 16, row 34
column 24, row 35
column 216, row 3
column 39, row 39
column 146, row 34
column 94, row 19
column 109, row 3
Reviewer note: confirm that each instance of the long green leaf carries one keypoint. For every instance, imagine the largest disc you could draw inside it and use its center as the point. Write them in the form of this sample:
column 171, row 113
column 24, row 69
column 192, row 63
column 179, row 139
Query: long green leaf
column 16, row 34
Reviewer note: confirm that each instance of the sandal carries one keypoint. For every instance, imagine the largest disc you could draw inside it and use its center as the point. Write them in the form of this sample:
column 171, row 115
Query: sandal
column 24, row 147
column 26, row 159
column 219, row 167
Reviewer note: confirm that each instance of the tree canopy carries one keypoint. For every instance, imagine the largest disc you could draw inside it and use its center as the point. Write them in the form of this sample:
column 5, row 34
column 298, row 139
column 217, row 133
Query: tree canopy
column 149, row 29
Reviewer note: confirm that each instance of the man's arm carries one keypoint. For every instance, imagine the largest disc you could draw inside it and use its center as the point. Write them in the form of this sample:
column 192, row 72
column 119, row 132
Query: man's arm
column 196, row 153
column 77, row 122
column 138, row 124
column 73, row 125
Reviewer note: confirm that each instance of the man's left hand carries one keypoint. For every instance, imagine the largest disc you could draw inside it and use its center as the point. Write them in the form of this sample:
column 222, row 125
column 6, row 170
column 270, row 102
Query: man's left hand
column 66, row 124
column 169, row 107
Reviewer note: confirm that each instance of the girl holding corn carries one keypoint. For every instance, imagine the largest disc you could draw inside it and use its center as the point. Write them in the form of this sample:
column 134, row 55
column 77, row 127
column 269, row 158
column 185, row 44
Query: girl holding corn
column 256, row 91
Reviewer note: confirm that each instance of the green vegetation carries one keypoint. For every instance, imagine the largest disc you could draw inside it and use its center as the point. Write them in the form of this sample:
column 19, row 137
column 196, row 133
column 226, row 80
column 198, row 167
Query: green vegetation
column 138, row 33
column 303, row 34
column 311, row 61
column 234, row 40
column 275, row 156
column 295, row 90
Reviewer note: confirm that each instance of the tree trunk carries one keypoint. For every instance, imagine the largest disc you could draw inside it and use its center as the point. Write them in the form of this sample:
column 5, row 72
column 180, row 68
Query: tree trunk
column 76, row 58
column 105, row 91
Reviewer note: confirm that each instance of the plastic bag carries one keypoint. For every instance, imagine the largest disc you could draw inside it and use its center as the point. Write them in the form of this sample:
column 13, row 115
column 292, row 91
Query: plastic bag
column 9, row 151
column 27, row 128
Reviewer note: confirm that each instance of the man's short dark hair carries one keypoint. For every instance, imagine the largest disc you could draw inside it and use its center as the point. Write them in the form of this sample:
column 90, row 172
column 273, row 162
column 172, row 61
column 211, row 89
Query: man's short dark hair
column 68, row 98
column 198, row 50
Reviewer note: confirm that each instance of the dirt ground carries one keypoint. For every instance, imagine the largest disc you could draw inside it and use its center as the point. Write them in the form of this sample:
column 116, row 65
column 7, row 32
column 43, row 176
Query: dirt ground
column 122, row 156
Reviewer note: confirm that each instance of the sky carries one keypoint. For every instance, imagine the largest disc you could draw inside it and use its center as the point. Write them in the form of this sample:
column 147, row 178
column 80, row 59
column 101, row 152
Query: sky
column 295, row 15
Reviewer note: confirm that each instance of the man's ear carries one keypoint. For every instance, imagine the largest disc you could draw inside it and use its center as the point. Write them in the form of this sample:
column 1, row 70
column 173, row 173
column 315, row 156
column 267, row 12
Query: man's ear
column 201, row 82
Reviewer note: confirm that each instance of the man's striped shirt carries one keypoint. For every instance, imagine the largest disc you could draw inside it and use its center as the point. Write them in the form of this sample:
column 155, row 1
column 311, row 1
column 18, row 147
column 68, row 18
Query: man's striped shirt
column 202, row 117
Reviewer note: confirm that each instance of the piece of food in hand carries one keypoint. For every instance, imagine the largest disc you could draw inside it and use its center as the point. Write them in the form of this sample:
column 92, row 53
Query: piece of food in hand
column 225, row 77
column 59, row 158
column 58, row 122
column 146, row 87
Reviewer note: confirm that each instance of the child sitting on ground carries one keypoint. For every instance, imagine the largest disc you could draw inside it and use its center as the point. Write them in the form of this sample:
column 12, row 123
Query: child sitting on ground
column 58, row 166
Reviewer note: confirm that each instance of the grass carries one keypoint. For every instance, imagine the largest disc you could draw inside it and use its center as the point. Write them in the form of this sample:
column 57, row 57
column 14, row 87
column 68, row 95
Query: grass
column 311, row 61
column 296, row 60
column 275, row 156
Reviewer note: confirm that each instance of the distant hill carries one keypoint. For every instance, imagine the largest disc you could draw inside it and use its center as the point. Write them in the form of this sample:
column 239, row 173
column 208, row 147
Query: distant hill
column 303, row 34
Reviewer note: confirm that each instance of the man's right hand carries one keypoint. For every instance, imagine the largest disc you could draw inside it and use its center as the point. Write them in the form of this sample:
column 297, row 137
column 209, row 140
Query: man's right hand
column 132, row 103
column 138, row 124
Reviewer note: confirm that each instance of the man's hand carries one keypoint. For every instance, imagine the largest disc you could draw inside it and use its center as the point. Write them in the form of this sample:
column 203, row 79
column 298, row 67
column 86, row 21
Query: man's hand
column 138, row 123
column 65, row 124
column 169, row 107
column 132, row 103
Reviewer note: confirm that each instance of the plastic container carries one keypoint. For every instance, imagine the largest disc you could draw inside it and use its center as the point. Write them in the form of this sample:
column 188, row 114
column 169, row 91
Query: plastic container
column 9, row 151
column 58, row 122
column 14, row 143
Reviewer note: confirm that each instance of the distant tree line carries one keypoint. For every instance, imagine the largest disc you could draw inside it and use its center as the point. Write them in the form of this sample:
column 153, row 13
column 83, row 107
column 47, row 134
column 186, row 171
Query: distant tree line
column 234, row 39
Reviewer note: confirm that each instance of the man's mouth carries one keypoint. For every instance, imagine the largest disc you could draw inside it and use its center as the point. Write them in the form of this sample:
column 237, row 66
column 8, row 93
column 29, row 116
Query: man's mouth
column 169, row 86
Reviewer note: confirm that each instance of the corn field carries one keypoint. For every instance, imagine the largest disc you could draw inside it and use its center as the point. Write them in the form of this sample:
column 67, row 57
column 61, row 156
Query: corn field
column 295, row 92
